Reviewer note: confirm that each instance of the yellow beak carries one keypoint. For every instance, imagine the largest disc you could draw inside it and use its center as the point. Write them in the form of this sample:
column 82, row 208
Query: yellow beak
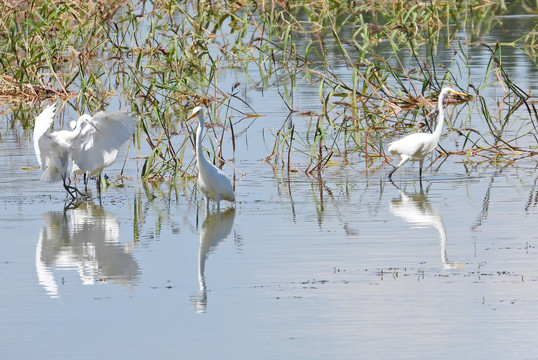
column 92, row 124
column 192, row 115
column 458, row 93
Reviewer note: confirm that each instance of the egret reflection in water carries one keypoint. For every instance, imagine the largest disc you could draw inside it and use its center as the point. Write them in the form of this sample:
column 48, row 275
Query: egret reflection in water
column 215, row 228
column 418, row 211
column 84, row 239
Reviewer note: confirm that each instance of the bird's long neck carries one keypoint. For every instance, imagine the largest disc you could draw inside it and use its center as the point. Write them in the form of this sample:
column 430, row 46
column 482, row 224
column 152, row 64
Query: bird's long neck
column 199, row 133
column 441, row 118
column 74, row 133
column 79, row 127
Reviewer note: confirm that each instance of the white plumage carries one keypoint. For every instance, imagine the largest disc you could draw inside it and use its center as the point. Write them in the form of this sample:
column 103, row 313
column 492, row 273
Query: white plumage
column 53, row 149
column 89, row 147
column 212, row 181
column 98, row 146
column 415, row 147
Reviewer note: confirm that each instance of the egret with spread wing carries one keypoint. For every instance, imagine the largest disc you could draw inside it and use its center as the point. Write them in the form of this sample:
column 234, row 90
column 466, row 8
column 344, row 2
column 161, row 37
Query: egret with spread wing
column 416, row 146
column 53, row 148
column 88, row 147
column 98, row 146
column 212, row 181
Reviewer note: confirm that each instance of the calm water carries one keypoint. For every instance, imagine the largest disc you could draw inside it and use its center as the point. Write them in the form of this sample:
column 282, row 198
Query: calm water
column 344, row 267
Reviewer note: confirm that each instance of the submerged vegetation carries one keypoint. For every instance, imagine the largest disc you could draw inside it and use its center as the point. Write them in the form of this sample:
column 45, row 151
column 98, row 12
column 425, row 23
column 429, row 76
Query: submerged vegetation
column 371, row 62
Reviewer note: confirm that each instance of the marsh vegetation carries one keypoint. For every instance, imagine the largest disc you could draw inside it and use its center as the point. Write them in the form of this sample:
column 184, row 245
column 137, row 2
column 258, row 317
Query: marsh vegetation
column 371, row 63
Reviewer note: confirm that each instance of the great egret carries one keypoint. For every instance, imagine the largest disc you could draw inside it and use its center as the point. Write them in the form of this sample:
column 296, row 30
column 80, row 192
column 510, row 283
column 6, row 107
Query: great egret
column 53, row 149
column 99, row 145
column 212, row 182
column 415, row 147
column 92, row 144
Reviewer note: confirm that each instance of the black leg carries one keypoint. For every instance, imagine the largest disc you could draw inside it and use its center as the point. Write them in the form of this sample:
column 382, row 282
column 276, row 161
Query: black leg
column 86, row 182
column 392, row 182
column 73, row 191
column 68, row 188
column 98, row 182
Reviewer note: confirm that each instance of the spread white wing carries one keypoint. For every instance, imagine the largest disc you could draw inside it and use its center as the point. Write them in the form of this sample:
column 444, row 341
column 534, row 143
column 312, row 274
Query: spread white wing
column 98, row 146
column 42, row 124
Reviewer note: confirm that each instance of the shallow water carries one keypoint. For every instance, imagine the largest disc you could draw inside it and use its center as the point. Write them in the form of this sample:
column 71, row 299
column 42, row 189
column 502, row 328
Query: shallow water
column 346, row 266
column 352, row 267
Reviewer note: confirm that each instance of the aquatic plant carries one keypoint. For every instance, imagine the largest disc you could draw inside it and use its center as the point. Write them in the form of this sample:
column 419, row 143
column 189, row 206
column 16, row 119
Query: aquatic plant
column 164, row 57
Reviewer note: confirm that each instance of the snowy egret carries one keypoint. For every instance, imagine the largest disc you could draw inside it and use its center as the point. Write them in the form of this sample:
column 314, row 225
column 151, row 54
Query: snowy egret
column 212, row 182
column 89, row 147
column 53, row 149
column 99, row 145
column 415, row 147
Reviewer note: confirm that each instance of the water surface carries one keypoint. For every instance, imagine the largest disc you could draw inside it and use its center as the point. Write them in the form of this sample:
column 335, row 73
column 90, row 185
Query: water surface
column 347, row 265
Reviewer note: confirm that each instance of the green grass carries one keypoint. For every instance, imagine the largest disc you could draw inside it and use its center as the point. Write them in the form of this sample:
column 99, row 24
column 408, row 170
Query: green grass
column 164, row 57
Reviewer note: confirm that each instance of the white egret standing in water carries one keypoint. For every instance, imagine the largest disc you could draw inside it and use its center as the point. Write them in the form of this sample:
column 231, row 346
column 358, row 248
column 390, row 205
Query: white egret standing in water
column 415, row 147
column 53, row 149
column 100, row 146
column 212, row 181
column 89, row 147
